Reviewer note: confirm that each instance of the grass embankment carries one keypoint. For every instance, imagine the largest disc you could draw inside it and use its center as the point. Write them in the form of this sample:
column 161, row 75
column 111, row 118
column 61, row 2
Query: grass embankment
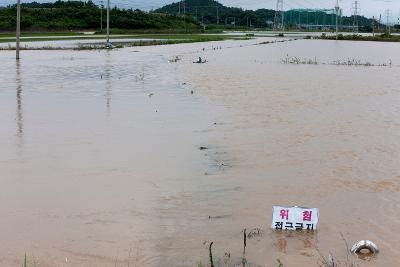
column 38, row 34
column 142, row 40
column 6, row 38
column 356, row 37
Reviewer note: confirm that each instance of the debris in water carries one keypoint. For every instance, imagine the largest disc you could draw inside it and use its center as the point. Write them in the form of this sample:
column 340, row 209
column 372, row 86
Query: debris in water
column 174, row 60
column 200, row 61
column 109, row 45
column 365, row 247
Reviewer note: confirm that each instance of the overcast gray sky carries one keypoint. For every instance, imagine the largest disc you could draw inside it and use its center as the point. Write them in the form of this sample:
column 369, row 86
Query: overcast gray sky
column 368, row 7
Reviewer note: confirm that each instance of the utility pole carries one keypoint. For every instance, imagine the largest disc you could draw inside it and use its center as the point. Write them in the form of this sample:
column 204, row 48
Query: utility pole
column 356, row 9
column 315, row 17
column 18, row 33
column 291, row 19
column 108, row 45
column 184, row 14
column 101, row 15
column 217, row 15
column 337, row 9
column 279, row 16
column 388, row 21
column 373, row 26
column 299, row 20
column 179, row 8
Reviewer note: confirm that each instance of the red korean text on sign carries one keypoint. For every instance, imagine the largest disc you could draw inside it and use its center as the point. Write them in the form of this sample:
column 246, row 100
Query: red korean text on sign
column 307, row 215
column 284, row 214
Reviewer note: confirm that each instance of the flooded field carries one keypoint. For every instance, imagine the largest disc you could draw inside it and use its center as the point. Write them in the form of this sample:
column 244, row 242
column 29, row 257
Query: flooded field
column 120, row 158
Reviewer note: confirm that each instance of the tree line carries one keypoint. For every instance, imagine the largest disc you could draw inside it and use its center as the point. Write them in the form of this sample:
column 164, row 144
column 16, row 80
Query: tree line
column 182, row 15
column 78, row 15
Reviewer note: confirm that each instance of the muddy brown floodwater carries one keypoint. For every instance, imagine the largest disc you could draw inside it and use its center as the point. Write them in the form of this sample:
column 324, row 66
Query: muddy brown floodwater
column 108, row 159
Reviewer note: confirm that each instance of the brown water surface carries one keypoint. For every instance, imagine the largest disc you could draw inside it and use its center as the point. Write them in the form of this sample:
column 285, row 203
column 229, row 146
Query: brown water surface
column 100, row 162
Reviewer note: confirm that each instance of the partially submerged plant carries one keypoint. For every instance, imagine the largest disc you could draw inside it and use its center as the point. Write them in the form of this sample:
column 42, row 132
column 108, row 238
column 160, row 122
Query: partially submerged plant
column 340, row 62
column 25, row 261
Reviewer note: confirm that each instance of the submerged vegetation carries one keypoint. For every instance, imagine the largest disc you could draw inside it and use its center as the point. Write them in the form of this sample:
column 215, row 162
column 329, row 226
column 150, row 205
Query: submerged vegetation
column 348, row 260
column 339, row 62
column 385, row 37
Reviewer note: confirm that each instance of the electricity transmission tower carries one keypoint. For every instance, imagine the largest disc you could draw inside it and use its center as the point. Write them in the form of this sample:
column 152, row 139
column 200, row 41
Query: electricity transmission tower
column 279, row 16
column 355, row 9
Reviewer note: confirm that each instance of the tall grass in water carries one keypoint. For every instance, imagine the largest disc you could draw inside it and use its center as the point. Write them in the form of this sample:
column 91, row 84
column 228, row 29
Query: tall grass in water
column 340, row 62
column 25, row 261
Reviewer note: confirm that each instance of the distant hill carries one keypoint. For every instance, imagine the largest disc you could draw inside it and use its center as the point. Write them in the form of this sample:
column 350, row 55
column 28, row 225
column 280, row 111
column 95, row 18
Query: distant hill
column 211, row 12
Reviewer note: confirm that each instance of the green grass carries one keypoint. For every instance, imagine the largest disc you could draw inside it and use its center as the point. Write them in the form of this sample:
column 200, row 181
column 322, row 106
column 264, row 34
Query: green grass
column 35, row 34
column 11, row 40
column 161, row 39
